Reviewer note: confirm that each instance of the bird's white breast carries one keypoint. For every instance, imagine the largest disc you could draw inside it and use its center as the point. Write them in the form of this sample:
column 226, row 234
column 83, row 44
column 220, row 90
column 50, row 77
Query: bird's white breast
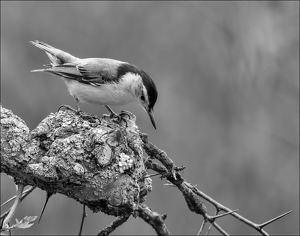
column 106, row 94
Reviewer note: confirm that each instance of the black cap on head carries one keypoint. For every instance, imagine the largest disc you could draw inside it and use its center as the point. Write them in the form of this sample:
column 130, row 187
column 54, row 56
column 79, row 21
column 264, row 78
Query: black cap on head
column 147, row 81
column 151, row 88
column 126, row 67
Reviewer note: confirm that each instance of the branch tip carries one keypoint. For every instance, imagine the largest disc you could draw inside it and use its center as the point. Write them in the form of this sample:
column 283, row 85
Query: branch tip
column 25, row 193
column 82, row 219
column 274, row 219
column 170, row 185
column 151, row 175
column 13, row 209
column 202, row 226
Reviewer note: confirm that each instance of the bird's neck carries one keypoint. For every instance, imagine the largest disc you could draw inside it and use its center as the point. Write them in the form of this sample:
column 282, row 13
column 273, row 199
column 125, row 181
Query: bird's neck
column 132, row 82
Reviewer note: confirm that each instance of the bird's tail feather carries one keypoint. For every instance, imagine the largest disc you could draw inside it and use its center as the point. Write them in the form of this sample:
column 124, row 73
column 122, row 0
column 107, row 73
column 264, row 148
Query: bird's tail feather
column 56, row 56
column 66, row 71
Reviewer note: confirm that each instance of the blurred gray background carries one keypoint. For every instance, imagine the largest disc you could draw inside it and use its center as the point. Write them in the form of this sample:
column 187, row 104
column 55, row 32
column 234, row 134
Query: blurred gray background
column 227, row 75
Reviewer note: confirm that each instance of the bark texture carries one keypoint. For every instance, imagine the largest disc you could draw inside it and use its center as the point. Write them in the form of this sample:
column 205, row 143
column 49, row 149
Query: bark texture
column 96, row 161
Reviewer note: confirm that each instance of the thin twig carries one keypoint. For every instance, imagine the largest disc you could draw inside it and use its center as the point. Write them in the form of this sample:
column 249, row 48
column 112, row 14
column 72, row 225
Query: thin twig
column 170, row 185
column 222, row 231
column 194, row 204
column 151, row 175
column 274, row 219
column 82, row 220
column 202, row 226
column 209, row 227
column 226, row 209
column 48, row 195
column 13, row 209
column 224, row 214
column 26, row 192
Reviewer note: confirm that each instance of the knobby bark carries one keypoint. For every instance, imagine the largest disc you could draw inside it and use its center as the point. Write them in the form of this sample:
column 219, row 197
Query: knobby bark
column 100, row 163
column 97, row 162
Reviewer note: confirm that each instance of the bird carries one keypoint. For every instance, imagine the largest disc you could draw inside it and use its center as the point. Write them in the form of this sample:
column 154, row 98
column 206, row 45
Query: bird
column 101, row 81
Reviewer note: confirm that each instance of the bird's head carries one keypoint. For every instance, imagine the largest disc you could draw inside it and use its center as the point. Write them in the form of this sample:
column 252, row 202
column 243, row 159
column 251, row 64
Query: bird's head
column 148, row 95
column 143, row 88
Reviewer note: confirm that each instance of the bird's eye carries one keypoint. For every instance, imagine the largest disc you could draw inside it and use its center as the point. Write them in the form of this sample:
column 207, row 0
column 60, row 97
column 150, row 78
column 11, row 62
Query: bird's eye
column 143, row 98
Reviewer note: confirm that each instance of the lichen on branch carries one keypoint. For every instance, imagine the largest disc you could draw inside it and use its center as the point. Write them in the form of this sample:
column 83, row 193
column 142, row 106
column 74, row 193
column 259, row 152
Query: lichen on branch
column 96, row 161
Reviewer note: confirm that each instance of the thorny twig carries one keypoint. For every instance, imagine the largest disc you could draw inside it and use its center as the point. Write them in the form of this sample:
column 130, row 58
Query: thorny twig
column 219, row 206
column 82, row 219
column 216, row 214
column 191, row 193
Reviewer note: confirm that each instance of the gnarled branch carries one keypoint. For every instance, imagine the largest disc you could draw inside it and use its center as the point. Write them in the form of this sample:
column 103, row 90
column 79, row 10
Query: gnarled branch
column 99, row 162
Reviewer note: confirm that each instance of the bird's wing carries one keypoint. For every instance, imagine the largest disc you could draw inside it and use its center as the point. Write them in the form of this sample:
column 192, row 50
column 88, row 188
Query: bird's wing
column 98, row 71
column 93, row 71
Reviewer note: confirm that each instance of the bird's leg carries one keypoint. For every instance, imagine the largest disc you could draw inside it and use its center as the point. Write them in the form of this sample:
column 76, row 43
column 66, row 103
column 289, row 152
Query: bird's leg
column 77, row 105
column 67, row 107
column 115, row 115
column 112, row 113
column 78, row 111
column 49, row 194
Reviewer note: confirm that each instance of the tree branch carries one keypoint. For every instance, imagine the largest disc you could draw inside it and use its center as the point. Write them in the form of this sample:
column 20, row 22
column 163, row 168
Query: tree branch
column 97, row 162
column 115, row 224
column 191, row 193
column 154, row 219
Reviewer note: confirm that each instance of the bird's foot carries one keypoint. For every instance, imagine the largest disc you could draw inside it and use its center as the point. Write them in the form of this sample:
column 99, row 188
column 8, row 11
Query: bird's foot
column 80, row 113
column 117, row 118
column 67, row 107
column 112, row 113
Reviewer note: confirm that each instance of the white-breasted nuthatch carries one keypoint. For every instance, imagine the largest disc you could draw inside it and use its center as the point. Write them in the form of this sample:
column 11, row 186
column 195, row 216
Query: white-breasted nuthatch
column 101, row 81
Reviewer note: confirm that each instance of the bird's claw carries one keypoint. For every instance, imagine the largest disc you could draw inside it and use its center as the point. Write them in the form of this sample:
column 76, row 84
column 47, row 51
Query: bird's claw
column 114, row 116
column 78, row 111
column 112, row 113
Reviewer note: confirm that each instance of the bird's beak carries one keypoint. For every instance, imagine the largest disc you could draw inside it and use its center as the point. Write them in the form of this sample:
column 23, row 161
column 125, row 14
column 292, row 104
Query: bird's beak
column 151, row 115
